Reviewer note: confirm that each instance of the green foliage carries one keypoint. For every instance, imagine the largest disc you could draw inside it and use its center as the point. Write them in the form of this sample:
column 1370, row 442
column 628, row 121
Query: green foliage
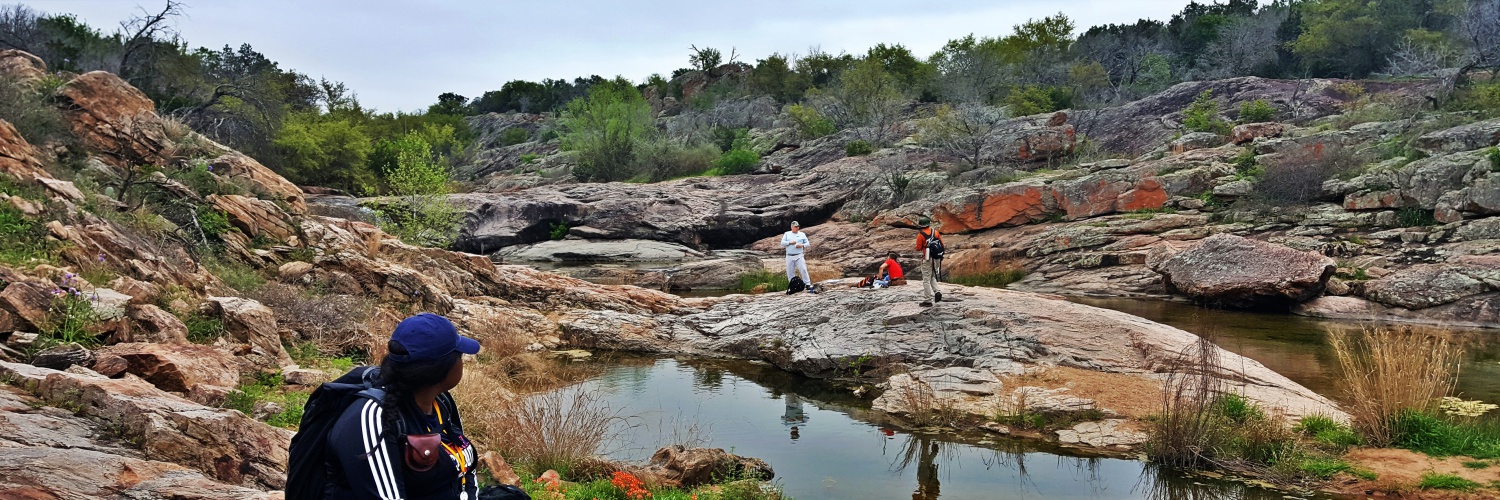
column 514, row 135
column 809, row 122
column 1494, row 157
column 1238, row 409
column 866, row 97
column 203, row 329
column 71, row 314
column 1415, row 217
column 238, row 276
column 1477, row 97
column 994, row 278
column 773, row 280
column 31, row 112
column 308, row 355
column 604, row 130
column 213, row 222
column 660, row 159
column 730, row 138
column 558, row 231
column 774, row 76
column 1328, row 431
column 1323, row 467
column 1436, row 481
column 1257, row 111
column 23, row 240
column 735, row 162
column 1203, row 115
column 1442, row 437
column 270, row 388
column 1476, row 464
column 1356, row 37
column 1035, row 99
column 421, row 214
column 326, row 150
column 858, row 148
column 529, row 158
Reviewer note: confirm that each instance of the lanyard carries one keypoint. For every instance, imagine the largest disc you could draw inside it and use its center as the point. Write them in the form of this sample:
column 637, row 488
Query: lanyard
column 455, row 451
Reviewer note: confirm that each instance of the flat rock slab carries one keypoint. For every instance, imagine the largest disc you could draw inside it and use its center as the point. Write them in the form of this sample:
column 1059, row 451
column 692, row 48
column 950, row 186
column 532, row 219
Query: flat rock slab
column 599, row 251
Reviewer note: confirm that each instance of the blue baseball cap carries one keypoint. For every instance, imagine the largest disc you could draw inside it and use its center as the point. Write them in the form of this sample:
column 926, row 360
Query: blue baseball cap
column 428, row 336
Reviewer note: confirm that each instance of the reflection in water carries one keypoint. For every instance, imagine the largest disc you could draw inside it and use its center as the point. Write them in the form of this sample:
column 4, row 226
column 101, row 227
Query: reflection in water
column 824, row 443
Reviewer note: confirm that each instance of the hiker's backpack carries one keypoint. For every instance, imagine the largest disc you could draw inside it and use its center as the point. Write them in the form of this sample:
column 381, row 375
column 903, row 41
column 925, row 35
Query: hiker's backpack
column 306, row 472
column 934, row 245
column 792, row 286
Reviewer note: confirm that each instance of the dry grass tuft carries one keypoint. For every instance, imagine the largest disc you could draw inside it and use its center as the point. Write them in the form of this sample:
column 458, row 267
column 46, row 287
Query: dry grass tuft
column 1390, row 369
column 1187, row 432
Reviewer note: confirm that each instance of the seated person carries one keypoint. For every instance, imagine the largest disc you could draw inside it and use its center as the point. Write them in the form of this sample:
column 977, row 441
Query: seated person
column 890, row 273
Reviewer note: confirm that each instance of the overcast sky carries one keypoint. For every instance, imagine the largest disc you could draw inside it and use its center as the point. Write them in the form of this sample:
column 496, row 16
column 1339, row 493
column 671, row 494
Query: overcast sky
column 402, row 54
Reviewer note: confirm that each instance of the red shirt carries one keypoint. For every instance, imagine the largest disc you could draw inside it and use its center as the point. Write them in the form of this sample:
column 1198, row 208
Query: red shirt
column 893, row 268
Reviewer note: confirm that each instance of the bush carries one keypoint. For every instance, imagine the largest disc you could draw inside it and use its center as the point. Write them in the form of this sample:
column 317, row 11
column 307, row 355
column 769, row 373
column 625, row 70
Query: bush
column 1415, row 217
column 202, row 329
column 604, row 130
column 1477, row 97
column 1389, row 372
column 858, row 148
column 664, row 159
column 269, row 388
column 421, row 215
column 1257, row 111
column 728, row 139
column 327, row 319
column 558, row 231
column 1203, row 115
column 1298, row 179
column 809, row 122
column 529, row 158
column 1494, row 156
column 30, row 111
column 514, row 135
column 213, row 222
column 1328, row 431
column 1034, row 99
column 735, row 162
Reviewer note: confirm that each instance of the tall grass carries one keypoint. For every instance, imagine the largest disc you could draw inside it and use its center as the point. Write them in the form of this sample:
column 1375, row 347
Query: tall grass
column 774, row 281
column 1186, row 432
column 994, row 278
column 558, row 430
column 1388, row 371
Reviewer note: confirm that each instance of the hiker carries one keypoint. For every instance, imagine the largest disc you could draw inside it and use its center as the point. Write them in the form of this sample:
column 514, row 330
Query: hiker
column 795, row 242
column 410, row 443
column 930, row 243
column 890, row 273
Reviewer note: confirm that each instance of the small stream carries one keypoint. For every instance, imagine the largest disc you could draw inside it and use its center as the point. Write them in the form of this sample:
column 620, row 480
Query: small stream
column 825, row 444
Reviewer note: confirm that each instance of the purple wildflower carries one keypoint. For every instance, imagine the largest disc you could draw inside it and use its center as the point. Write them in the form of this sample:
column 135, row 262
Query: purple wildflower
column 210, row 168
column 101, row 257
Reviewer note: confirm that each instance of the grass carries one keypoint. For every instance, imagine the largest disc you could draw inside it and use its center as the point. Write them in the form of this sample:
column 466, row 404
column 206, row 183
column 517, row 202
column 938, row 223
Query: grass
column 1149, row 213
column 202, row 329
column 1324, row 467
column 269, row 387
column 994, row 278
column 236, row 275
column 1327, row 431
column 604, row 489
column 1435, row 481
column 1476, row 464
column 1415, row 217
column 1443, row 436
column 23, row 240
column 307, row 355
column 1389, row 371
column 774, row 281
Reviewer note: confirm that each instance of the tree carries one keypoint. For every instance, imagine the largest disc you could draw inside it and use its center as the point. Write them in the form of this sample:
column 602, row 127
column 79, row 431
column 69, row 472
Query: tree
column 422, row 214
column 773, row 76
column 822, row 69
column 969, row 70
column 1479, row 32
column 705, row 59
column 1241, row 45
column 866, row 96
column 1123, row 50
column 604, row 129
column 450, row 103
column 324, row 150
column 1353, row 38
column 910, row 72
column 966, row 130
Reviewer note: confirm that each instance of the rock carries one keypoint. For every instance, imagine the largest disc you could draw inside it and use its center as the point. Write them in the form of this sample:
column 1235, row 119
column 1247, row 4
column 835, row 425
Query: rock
column 179, row 367
column 1240, row 272
column 21, row 67
column 140, row 292
column 599, row 251
column 152, row 324
column 257, row 218
column 259, row 179
column 27, row 302
column 223, row 444
column 17, row 158
column 110, row 365
column 305, row 377
column 500, row 471
column 140, row 258
column 1246, row 133
column 692, row 467
column 292, row 272
column 1235, row 189
column 711, row 274
column 264, row 409
column 247, row 321
column 97, row 471
column 1107, row 433
column 63, row 356
column 1474, row 311
column 1196, row 140
column 21, row 340
column 1428, row 285
column 1466, row 137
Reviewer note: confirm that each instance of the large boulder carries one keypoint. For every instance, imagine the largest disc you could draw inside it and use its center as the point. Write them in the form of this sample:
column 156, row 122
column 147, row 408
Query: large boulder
column 691, row 467
column 1466, row 137
column 1429, row 285
column 1240, row 272
column 28, row 304
column 249, row 322
column 18, row 158
column 21, row 66
column 257, row 218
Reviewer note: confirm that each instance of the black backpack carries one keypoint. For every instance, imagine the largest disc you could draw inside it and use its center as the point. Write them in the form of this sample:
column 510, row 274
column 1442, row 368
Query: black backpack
column 934, row 245
column 793, row 286
column 306, row 472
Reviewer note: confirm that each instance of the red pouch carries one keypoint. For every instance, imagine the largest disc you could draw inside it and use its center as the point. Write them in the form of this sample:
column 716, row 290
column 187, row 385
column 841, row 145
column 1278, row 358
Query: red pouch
column 422, row 451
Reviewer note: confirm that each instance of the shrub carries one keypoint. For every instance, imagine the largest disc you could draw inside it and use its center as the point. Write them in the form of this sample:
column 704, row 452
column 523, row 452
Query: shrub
column 604, row 129
column 1415, row 217
column 1257, row 111
column 326, row 319
column 1327, row 431
column 1203, row 115
column 1298, row 178
column 736, row 161
column 558, row 231
column 1034, row 99
column 728, row 139
column 556, row 430
column 664, row 159
column 514, row 135
column 995, row 278
column 29, row 110
column 809, row 122
column 421, row 215
column 1389, row 372
column 858, row 148
column 529, row 158
column 1478, row 96
column 213, row 222
column 1436, row 481
column 238, row 276
column 1494, row 156
column 774, row 281
column 269, row 388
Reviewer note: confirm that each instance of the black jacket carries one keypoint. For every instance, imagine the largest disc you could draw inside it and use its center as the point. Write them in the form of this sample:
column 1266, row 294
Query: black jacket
column 364, row 458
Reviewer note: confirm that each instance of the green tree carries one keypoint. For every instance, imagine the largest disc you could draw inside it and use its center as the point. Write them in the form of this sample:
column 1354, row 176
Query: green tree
column 604, row 129
column 1353, row 38
column 450, row 103
column 773, row 76
column 966, row 130
column 421, row 214
column 866, row 96
column 325, row 151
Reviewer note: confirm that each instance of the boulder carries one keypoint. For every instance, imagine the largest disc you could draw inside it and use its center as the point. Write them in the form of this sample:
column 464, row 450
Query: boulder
column 1241, row 272
column 63, row 356
column 1466, row 137
column 1249, row 132
column 18, row 158
column 178, row 367
column 1474, row 311
column 1102, row 434
column 721, row 273
column 1430, row 285
column 692, row 467
column 257, row 218
column 1195, row 140
column 21, row 66
column 152, row 324
column 247, row 321
column 28, row 304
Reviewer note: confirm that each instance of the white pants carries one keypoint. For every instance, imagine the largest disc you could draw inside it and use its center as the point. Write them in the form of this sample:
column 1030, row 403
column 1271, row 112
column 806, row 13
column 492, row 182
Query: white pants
column 931, row 268
column 795, row 264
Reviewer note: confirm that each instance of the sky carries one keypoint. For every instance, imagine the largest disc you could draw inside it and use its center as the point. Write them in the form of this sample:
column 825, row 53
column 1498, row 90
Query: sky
column 399, row 55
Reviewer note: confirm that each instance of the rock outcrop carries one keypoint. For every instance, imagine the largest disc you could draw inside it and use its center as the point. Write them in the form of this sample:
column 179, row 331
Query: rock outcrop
column 1241, row 272
column 691, row 467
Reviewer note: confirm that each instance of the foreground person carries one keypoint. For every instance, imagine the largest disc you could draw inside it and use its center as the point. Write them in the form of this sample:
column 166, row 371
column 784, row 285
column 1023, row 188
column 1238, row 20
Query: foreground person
column 399, row 434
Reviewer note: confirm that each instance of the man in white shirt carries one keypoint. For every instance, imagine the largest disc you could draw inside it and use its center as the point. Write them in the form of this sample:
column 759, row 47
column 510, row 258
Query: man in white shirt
column 795, row 242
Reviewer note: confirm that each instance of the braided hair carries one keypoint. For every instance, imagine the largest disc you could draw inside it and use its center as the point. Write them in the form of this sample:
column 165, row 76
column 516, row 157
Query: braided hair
column 402, row 379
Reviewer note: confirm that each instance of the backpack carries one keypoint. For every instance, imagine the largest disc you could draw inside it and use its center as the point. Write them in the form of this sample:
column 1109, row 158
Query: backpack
column 934, row 245
column 793, row 286
column 306, row 472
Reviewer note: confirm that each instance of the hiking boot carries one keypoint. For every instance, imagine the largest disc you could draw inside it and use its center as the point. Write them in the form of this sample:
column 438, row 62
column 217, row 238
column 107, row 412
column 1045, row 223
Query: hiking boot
column 926, row 303
column 937, row 296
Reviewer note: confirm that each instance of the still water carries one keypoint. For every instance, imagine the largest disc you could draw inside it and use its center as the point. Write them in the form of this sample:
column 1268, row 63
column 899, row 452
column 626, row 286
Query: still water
column 824, row 443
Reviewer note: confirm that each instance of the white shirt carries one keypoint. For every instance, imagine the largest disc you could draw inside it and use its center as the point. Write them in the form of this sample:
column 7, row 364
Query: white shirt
column 790, row 240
